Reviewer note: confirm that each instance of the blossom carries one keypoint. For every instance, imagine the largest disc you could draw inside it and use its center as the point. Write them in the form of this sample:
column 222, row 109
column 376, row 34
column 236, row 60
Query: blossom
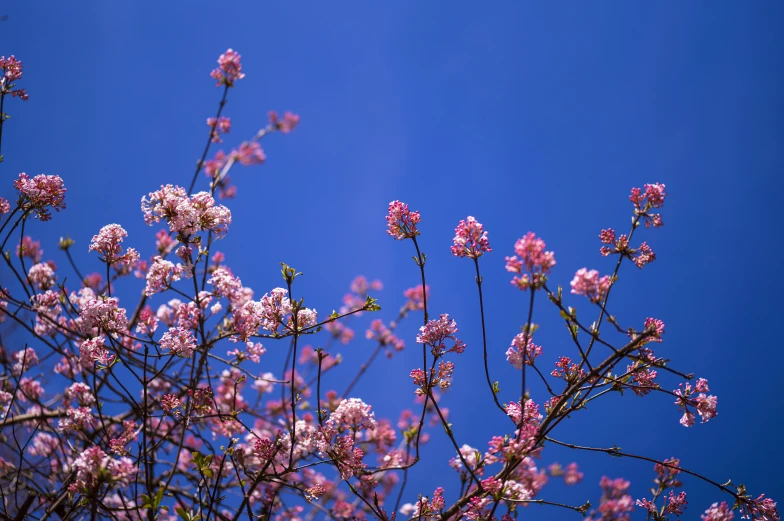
column 517, row 354
column 42, row 276
column 435, row 332
column 108, row 244
column 161, row 275
column 588, row 284
column 250, row 153
column 470, row 239
column 697, row 398
column 103, row 313
column 25, row 359
column 219, row 126
column 401, row 222
column 179, row 341
column 30, row 249
column 532, row 264
column 40, row 193
column 416, row 298
column 5, row 206
column 285, row 125
column 186, row 215
column 94, row 466
column 93, row 350
column 718, row 512
column 384, row 335
column 229, row 69
column 12, row 71
column 354, row 414
column 762, row 508
column 651, row 196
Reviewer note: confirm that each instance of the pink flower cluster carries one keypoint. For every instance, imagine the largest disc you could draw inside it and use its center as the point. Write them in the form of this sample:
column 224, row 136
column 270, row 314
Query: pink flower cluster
column 94, row 467
column 518, row 354
column 704, row 404
column 229, row 69
column 108, row 243
column 40, row 193
column 285, row 125
column 416, row 298
column 402, row 222
column 470, row 239
column 384, row 335
column 588, row 284
column 615, row 503
column 436, row 332
column 12, row 71
column 531, row 262
column 650, row 197
column 186, row 215
column 179, row 341
column 221, row 125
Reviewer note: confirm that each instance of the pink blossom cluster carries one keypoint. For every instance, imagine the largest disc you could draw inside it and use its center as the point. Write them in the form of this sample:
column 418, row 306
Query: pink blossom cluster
column 649, row 197
column 531, row 262
column 286, row 124
column 436, row 332
column 588, row 284
column 384, row 335
column 402, row 222
column 229, row 69
column 695, row 397
column 12, row 71
column 218, row 126
column 186, row 215
column 108, row 243
column 470, row 239
column 40, row 193
column 522, row 351
column 179, row 341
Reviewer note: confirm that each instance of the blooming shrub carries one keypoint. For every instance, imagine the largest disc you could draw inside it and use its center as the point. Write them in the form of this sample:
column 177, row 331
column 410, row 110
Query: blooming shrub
column 154, row 409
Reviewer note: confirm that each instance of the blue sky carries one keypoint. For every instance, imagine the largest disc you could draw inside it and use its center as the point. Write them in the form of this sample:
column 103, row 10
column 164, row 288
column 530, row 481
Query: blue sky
column 527, row 116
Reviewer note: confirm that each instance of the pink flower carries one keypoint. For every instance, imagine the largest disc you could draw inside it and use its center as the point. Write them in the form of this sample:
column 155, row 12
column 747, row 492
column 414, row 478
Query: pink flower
column 250, row 153
column 220, row 126
column 103, row 313
column 93, row 350
column 588, row 284
column 470, row 239
column 718, row 512
column 12, row 71
column 435, row 332
column 42, row 276
column 161, row 275
column 518, row 354
column 5, row 206
column 353, row 414
column 186, row 215
column 762, row 508
column 179, row 341
column 229, row 69
column 108, row 243
column 416, row 298
column 401, row 222
column 285, row 125
column 384, row 335
column 704, row 404
column 643, row 255
column 40, row 193
column 533, row 262
column 30, row 249
column 651, row 196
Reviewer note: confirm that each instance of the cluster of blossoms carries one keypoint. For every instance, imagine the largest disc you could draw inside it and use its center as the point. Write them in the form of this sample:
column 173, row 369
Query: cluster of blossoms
column 651, row 196
column 218, row 126
column 40, row 193
column 108, row 243
column 589, row 284
column 12, row 71
column 470, row 239
column 402, row 222
column 522, row 351
column 186, row 215
column 229, row 69
column 531, row 262
column 286, row 124
column 94, row 467
column 436, row 332
column 704, row 404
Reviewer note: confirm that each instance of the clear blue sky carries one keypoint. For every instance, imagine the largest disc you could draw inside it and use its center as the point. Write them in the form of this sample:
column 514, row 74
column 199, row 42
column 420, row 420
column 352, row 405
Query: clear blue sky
column 529, row 117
